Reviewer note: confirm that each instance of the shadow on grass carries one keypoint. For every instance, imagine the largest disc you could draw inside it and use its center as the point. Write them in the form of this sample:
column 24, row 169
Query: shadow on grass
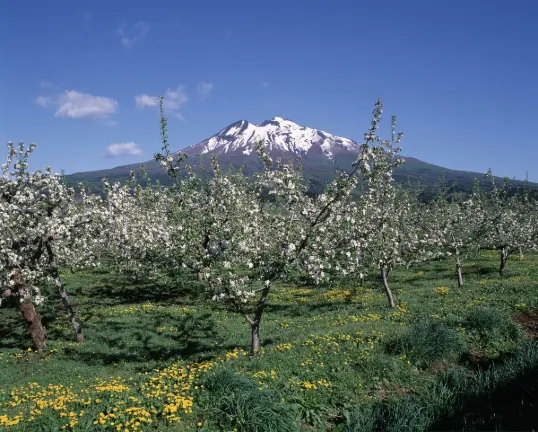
column 141, row 292
column 139, row 342
column 510, row 408
column 305, row 309
column 12, row 325
column 114, row 288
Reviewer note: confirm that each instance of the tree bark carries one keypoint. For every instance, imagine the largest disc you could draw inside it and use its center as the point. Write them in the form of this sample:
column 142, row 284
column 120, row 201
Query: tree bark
column 33, row 322
column 504, row 257
column 386, row 286
column 34, row 325
column 255, row 342
column 77, row 327
column 458, row 268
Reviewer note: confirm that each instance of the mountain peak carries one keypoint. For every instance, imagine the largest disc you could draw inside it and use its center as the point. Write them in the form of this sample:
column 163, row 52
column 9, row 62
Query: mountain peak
column 281, row 137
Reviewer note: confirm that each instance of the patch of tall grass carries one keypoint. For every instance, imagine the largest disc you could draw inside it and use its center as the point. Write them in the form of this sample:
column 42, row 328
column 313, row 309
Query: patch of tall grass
column 234, row 401
column 427, row 342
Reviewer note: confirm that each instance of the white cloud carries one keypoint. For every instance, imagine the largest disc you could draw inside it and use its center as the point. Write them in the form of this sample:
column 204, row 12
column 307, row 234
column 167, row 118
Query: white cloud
column 204, row 89
column 173, row 101
column 130, row 36
column 44, row 101
column 146, row 101
column 122, row 149
column 81, row 105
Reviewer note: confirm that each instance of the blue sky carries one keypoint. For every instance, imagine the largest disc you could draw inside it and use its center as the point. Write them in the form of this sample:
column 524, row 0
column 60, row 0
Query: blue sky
column 460, row 75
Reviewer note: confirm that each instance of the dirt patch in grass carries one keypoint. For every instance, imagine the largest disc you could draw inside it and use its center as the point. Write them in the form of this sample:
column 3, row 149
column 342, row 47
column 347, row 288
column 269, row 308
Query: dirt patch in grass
column 529, row 321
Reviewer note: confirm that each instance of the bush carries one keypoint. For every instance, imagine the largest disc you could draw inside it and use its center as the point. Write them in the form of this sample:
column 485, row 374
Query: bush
column 407, row 415
column 450, row 402
column 492, row 325
column 233, row 401
column 428, row 342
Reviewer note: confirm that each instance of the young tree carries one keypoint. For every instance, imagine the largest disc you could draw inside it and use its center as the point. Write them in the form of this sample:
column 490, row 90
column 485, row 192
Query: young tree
column 505, row 223
column 37, row 218
column 453, row 226
column 383, row 212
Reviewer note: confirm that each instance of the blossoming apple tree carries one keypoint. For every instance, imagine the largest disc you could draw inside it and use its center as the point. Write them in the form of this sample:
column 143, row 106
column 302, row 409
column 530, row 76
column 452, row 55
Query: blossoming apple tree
column 455, row 226
column 38, row 221
column 507, row 222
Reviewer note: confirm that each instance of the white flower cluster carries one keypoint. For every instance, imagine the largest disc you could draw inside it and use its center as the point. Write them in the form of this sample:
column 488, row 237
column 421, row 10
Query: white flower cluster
column 241, row 234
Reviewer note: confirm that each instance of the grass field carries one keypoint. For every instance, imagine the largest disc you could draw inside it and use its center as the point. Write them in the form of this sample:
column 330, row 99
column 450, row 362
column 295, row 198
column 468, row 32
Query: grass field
column 162, row 357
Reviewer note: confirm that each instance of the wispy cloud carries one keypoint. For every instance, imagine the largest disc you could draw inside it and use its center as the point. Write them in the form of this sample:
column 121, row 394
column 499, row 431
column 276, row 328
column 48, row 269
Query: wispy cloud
column 44, row 101
column 46, row 84
column 122, row 149
column 74, row 104
column 145, row 100
column 204, row 89
column 130, row 36
column 173, row 101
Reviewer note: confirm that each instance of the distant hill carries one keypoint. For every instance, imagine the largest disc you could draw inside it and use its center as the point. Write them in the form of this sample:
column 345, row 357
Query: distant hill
column 320, row 154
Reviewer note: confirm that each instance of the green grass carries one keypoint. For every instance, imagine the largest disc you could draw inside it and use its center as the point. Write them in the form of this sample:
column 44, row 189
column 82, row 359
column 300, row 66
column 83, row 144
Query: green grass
column 427, row 342
column 335, row 355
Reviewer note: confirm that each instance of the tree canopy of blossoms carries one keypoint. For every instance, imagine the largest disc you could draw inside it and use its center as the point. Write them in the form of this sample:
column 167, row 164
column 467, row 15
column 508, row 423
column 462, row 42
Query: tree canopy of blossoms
column 40, row 225
column 240, row 235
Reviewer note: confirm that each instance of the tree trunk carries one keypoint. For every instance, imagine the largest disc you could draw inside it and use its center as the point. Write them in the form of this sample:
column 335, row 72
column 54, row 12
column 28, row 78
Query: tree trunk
column 198, row 275
column 255, row 332
column 386, row 287
column 34, row 324
column 504, row 257
column 77, row 327
column 458, row 269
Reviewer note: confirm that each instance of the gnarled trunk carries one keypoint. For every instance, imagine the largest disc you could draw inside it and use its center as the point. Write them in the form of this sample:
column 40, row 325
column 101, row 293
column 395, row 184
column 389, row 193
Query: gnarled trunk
column 458, row 268
column 255, row 322
column 504, row 257
column 255, row 341
column 77, row 327
column 33, row 322
column 35, row 327
column 384, row 278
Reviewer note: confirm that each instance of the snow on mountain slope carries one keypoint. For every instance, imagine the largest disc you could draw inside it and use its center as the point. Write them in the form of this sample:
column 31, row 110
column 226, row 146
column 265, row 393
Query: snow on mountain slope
column 279, row 135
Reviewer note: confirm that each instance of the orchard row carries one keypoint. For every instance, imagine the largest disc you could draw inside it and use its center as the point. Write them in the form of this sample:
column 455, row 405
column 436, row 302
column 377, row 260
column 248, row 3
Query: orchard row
column 240, row 235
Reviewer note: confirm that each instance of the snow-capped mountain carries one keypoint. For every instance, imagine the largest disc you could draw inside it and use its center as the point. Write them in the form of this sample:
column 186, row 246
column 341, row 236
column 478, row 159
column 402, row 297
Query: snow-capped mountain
column 319, row 153
column 281, row 137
